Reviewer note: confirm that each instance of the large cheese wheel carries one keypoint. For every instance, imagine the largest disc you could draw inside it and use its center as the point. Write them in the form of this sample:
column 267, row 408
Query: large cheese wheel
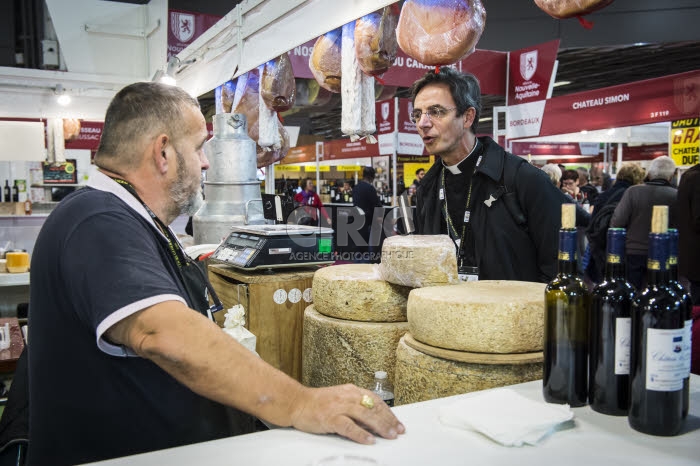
column 567, row 8
column 440, row 32
column 419, row 260
column 337, row 351
column 421, row 377
column 357, row 292
column 491, row 316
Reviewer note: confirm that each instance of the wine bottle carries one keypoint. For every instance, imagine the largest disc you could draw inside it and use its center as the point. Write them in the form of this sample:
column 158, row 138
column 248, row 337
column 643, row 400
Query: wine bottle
column 8, row 192
column 15, row 192
column 565, row 377
column 687, row 304
column 656, row 363
column 609, row 358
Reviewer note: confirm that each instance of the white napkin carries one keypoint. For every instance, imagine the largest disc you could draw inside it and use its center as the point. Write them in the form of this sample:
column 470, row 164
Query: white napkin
column 506, row 417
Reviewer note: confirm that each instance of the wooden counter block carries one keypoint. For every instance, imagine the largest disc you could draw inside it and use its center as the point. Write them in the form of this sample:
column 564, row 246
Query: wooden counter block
column 274, row 309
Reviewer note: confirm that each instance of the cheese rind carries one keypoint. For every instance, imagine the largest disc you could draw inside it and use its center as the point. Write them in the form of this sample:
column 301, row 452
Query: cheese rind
column 490, row 316
column 357, row 292
column 419, row 260
column 339, row 351
column 421, row 377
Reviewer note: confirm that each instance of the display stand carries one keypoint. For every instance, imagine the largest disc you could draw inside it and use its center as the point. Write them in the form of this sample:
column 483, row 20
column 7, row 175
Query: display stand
column 274, row 303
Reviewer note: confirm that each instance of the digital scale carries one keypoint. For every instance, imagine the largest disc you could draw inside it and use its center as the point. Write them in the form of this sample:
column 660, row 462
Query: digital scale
column 254, row 247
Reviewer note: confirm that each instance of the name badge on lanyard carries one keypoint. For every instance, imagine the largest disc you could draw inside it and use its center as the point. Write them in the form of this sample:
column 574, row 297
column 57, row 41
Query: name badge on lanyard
column 468, row 274
column 442, row 194
column 467, row 214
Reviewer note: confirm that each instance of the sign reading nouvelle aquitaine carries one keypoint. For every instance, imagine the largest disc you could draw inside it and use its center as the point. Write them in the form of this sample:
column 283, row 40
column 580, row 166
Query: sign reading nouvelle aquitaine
column 184, row 27
column 530, row 72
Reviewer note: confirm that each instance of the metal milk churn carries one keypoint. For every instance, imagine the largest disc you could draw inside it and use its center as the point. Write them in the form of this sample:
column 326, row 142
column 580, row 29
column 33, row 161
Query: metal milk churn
column 231, row 190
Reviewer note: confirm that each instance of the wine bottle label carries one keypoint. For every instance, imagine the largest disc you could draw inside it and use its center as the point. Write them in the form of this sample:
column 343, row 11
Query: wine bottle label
column 687, row 347
column 623, row 344
column 665, row 362
column 614, row 259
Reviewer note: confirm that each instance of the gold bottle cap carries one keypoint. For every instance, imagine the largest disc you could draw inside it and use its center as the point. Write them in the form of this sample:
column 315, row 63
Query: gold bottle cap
column 568, row 216
column 659, row 219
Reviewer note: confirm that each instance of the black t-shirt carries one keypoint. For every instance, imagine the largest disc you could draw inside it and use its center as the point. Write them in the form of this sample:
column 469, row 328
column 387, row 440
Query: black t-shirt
column 96, row 261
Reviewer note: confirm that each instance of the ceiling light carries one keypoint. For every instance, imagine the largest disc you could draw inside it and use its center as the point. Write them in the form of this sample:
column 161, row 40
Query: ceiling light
column 611, row 131
column 486, row 119
column 61, row 96
column 583, row 131
column 561, row 83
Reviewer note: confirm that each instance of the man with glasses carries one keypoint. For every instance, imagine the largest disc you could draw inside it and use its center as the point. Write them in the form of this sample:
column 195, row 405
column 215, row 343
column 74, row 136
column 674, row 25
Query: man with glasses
column 502, row 213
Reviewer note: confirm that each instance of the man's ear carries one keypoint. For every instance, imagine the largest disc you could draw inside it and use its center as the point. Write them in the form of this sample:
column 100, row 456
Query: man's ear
column 469, row 116
column 160, row 153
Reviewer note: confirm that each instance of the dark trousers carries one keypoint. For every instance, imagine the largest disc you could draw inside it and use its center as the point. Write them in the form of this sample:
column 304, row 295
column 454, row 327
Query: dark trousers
column 637, row 270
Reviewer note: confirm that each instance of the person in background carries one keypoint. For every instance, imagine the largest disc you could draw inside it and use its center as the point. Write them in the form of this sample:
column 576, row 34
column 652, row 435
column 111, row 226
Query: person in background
column 311, row 204
column 420, row 173
column 570, row 186
column 633, row 212
column 589, row 191
column 554, row 173
column 687, row 209
column 345, row 191
column 364, row 196
column 629, row 174
column 502, row 213
column 125, row 357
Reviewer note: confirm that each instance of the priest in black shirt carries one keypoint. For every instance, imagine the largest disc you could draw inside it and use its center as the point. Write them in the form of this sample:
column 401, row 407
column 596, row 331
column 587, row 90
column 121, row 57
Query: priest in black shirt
column 502, row 213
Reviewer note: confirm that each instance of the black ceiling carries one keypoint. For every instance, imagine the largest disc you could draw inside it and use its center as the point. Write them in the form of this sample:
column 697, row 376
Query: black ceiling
column 631, row 40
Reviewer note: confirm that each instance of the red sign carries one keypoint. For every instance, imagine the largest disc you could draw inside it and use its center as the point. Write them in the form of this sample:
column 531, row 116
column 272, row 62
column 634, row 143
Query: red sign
column 184, row 27
column 530, row 72
column 345, row 149
column 384, row 116
column 300, row 154
column 668, row 98
column 647, row 152
column 539, row 148
column 89, row 136
column 487, row 65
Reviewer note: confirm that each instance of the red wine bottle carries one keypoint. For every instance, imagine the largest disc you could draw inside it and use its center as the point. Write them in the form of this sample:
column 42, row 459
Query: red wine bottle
column 610, row 338
column 657, row 366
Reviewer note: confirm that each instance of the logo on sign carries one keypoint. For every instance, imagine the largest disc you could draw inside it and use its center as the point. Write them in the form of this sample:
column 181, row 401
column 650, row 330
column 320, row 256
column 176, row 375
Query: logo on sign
column 385, row 110
column 182, row 25
column 687, row 94
column 528, row 64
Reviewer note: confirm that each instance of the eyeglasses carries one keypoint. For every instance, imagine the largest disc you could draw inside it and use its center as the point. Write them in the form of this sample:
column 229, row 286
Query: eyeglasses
column 432, row 112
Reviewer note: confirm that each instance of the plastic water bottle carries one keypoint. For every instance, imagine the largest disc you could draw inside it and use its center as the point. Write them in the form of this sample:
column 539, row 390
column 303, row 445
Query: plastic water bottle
column 383, row 388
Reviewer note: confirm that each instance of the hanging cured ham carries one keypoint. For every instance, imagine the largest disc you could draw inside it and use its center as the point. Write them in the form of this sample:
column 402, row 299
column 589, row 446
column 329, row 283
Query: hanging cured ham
column 440, row 32
column 561, row 9
column 71, row 129
column 325, row 60
column 277, row 85
column 268, row 157
column 375, row 41
column 357, row 113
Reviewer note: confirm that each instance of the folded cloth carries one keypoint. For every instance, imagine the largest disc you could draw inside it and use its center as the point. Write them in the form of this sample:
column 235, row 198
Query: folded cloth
column 506, row 417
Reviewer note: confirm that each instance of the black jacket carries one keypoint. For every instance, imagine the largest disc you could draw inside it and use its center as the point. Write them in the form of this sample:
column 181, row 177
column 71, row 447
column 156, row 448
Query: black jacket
column 365, row 197
column 504, row 250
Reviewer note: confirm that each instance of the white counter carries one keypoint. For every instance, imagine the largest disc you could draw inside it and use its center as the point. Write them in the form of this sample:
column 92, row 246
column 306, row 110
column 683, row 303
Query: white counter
column 594, row 440
column 14, row 279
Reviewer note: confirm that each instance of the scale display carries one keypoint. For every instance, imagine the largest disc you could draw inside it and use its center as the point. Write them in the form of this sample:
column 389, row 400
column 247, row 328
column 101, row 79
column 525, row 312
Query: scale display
column 275, row 246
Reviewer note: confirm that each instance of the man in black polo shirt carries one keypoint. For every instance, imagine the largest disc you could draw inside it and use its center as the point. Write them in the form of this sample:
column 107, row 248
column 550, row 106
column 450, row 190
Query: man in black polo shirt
column 123, row 358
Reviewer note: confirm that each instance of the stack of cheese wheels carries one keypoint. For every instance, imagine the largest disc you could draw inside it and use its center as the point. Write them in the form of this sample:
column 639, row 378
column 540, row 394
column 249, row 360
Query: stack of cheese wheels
column 353, row 327
column 419, row 260
column 470, row 337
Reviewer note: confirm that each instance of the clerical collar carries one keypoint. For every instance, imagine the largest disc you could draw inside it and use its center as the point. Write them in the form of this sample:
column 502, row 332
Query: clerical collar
column 454, row 169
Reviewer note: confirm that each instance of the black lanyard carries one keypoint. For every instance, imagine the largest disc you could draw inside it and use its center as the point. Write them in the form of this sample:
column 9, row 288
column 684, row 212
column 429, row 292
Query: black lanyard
column 191, row 275
column 466, row 232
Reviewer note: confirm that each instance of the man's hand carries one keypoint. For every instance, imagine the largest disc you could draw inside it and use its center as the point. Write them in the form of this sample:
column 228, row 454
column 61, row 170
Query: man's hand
column 338, row 410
